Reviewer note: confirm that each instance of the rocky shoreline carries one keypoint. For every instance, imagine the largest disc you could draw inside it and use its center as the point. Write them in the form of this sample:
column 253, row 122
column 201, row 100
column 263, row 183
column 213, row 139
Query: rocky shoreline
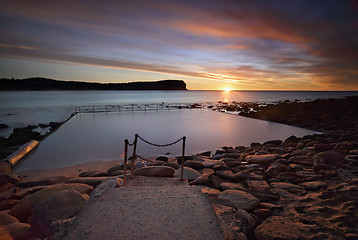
column 299, row 188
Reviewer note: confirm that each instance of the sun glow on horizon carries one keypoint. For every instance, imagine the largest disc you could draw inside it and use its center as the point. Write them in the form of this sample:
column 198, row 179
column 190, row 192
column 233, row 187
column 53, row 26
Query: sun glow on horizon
column 227, row 89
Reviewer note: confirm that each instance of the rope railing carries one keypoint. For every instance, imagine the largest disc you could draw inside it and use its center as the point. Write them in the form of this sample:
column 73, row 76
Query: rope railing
column 134, row 155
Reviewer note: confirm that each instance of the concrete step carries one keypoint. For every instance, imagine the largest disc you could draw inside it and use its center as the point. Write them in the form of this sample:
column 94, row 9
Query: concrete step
column 170, row 211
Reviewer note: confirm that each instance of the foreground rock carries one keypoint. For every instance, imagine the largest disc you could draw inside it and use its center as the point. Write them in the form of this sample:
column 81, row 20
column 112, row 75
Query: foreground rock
column 61, row 205
column 241, row 199
column 155, row 171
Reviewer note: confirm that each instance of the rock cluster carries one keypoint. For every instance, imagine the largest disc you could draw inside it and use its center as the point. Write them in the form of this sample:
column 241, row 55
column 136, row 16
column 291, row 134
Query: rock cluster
column 300, row 188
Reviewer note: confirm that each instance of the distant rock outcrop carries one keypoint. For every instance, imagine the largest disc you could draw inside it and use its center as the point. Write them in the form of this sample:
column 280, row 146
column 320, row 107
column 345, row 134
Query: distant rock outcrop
column 50, row 84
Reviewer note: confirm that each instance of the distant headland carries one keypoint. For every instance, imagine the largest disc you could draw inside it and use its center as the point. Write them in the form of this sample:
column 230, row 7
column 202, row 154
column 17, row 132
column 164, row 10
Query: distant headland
column 39, row 83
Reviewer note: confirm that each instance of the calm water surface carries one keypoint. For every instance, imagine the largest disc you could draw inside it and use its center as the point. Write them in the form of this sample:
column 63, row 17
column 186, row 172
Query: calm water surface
column 21, row 108
column 100, row 136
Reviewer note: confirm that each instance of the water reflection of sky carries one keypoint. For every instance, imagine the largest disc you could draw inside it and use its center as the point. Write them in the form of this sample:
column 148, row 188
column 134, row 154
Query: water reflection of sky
column 100, row 137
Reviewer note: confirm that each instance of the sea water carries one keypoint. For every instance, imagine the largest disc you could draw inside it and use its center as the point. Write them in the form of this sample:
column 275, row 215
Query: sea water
column 90, row 137
column 22, row 108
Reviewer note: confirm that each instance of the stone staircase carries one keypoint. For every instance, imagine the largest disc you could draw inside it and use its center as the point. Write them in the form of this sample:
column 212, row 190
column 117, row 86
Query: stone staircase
column 147, row 208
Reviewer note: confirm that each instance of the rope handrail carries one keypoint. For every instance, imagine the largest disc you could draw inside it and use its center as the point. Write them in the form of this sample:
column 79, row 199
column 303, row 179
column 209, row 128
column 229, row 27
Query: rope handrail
column 160, row 145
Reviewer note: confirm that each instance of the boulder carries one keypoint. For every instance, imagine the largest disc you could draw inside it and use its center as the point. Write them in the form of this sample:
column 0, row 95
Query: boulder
column 261, row 190
column 22, row 210
column 321, row 147
column 241, row 199
column 226, row 174
column 42, row 181
column 8, row 204
column 262, row 159
column 115, row 168
column 206, row 172
column 171, row 164
column 98, row 174
column 93, row 181
column 229, row 185
column 293, row 188
column 211, row 192
column 107, row 184
column 194, row 164
column 61, row 205
column 116, row 173
column 155, row 171
column 273, row 143
column 162, row 158
column 330, row 158
column 6, row 218
column 16, row 231
column 247, row 175
column 212, row 163
column 189, row 173
column 215, row 181
column 313, row 186
column 202, row 180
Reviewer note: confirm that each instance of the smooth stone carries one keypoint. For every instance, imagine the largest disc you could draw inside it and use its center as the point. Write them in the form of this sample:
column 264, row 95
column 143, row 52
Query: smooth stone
column 98, row 174
column 211, row 192
column 188, row 173
column 353, row 152
column 155, row 171
column 171, row 164
column 293, row 188
column 273, row 142
column 321, row 147
column 313, row 186
column 215, row 181
column 42, row 181
column 6, row 218
column 247, row 175
column 261, row 159
column 212, row 163
column 229, row 185
column 202, row 180
column 61, row 205
column 115, row 168
column 16, row 231
column 162, row 158
column 262, row 190
column 225, row 160
column 116, row 173
column 245, row 215
column 194, row 164
column 262, row 213
column 93, row 181
column 22, row 210
column 206, row 172
column 226, row 174
column 106, row 185
column 241, row 199
column 330, row 157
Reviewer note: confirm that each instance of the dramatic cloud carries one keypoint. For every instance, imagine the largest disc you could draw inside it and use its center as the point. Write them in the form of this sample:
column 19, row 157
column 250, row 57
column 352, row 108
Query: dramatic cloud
column 297, row 44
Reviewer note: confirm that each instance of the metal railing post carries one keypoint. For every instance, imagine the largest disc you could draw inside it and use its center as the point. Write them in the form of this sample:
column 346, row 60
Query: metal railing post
column 134, row 154
column 125, row 162
column 182, row 159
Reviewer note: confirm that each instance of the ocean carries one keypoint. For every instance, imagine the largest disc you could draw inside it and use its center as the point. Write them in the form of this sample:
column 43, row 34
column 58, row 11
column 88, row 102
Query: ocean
column 22, row 108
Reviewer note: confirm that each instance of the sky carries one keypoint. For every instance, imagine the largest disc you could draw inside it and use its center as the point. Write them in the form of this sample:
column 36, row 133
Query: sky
column 210, row 44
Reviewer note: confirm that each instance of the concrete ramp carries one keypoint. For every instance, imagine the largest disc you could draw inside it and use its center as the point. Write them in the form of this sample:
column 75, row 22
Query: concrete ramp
column 148, row 208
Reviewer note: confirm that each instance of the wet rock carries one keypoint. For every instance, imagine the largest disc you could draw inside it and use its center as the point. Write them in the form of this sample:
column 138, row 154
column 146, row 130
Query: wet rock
column 229, row 185
column 233, row 164
column 215, row 181
column 226, row 174
column 321, row 147
column 61, row 205
column 162, row 158
column 6, row 218
column 92, row 181
column 114, row 168
column 278, row 227
column 293, row 188
column 155, row 171
column 16, row 231
column 22, row 210
column 273, row 143
column 261, row 190
column 241, row 199
column 246, row 176
column 302, row 152
column 313, row 186
column 206, row 172
column 42, row 181
column 277, row 168
column 202, row 180
column 261, row 159
column 211, row 192
column 171, row 164
column 330, row 157
column 194, row 164
column 116, row 173
column 188, row 173
column 212, row 163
